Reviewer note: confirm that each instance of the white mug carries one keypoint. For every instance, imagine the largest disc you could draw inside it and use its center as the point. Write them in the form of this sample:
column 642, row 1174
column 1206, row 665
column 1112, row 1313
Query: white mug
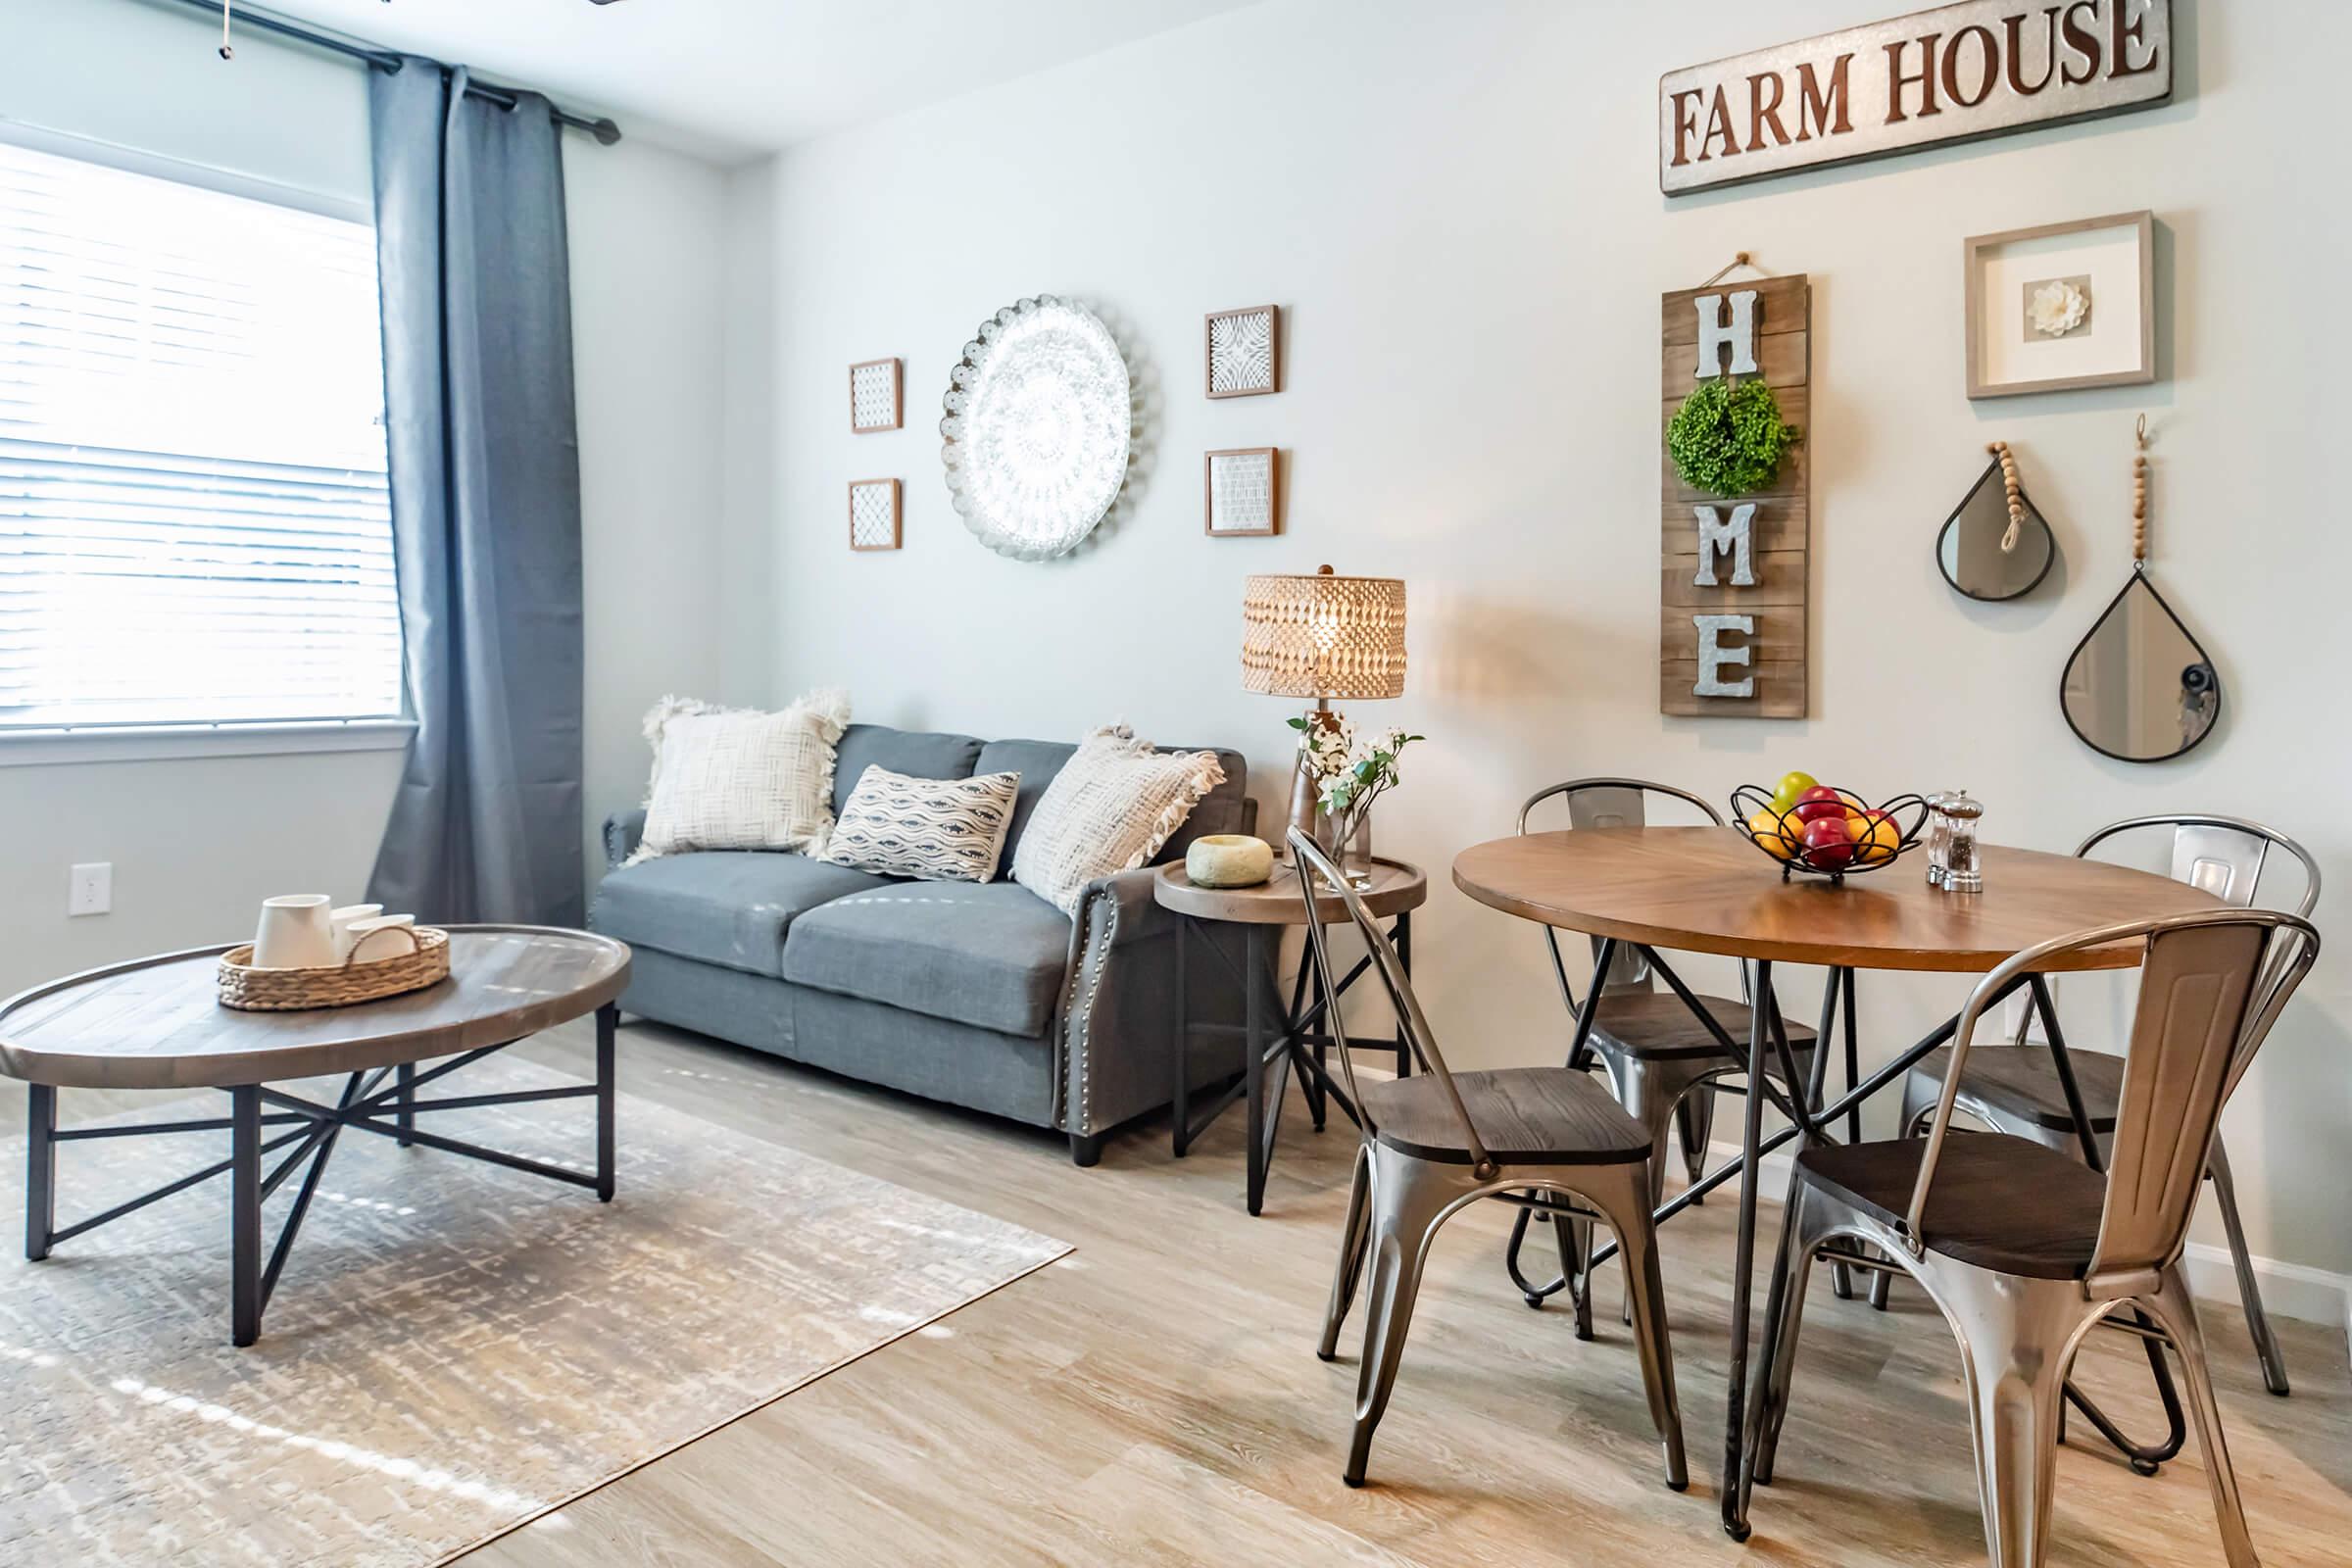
column 366, row 949
column 344, row 917
column 297, row 932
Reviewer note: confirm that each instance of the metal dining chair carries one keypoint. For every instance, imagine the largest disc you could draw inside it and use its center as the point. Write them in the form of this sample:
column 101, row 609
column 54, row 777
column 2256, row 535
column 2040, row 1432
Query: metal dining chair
column 1435, row 1144
column 2025, row 1249
column 1662, row 1058
column 2016, row 1088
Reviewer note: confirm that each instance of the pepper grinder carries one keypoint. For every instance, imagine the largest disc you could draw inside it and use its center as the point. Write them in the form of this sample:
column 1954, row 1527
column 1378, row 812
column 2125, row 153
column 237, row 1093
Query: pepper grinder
column 1964, row 867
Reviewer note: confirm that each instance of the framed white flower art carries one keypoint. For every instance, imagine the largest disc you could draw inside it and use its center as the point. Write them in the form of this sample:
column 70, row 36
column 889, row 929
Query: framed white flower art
column 2062, row 305
column 1245, row 352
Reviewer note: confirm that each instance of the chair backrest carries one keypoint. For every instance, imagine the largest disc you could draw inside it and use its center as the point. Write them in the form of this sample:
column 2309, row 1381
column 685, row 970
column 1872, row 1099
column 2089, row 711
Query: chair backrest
column 2212, row 983
column 2224, row 855
column 1318, row 875
column 1611, row 803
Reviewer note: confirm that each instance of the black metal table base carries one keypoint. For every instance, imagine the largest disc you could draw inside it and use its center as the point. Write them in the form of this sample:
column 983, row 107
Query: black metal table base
column 1273, row 1036
column 365, row 1104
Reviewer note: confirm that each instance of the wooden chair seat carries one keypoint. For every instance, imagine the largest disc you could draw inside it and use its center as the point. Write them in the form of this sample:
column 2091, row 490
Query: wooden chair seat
column 1524, row 1115
column 1655, row 1025
column 2019, row 1083
column 2000, row 1203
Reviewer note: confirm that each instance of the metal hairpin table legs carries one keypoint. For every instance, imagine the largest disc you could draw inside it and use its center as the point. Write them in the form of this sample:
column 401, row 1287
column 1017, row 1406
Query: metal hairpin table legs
column 312, row 1127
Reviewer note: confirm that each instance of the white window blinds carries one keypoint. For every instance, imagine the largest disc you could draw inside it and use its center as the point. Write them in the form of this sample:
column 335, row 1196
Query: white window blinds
column 194, row 521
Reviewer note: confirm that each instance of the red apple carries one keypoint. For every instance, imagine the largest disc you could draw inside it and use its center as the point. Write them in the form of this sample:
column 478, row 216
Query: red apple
column 1821, row 802
column 1828, row 847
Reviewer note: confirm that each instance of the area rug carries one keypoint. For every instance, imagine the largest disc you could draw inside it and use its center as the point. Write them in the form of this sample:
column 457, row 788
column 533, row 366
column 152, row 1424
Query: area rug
column 453, row 1347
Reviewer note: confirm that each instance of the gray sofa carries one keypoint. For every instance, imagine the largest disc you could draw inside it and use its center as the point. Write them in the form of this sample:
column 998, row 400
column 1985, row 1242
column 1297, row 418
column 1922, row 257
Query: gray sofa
column 983, row 995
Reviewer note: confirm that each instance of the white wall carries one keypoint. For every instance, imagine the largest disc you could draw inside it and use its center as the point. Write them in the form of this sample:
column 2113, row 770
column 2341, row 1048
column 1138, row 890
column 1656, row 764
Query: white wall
column 1457, row 207
column 196, row 843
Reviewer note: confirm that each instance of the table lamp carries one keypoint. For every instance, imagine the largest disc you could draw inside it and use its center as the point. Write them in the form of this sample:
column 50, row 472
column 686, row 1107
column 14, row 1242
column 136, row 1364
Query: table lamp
column 1323, row 636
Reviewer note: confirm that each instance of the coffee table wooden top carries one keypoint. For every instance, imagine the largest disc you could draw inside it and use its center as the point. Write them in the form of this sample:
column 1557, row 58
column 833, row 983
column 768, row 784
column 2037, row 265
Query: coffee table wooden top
column 157, row 1023
column 1396, row 888
column 1705, row 890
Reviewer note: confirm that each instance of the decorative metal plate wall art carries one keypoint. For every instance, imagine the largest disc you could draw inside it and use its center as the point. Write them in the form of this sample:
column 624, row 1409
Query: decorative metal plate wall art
column 1997, row 545
column 2138, row 688
column 1038, row 428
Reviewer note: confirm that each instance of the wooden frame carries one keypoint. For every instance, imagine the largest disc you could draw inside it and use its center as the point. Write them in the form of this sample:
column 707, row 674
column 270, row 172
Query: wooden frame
column 1977, row 249
column 1209, row 493
column 897, row 395
column 1779, row 529
column 1209, row 351
column 897, row 513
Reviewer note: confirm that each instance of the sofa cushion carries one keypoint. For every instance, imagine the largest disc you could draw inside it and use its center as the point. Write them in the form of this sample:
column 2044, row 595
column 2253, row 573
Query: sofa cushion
column 916, row 754
column 992, row 956
column 1037, row 761
column 722, row 906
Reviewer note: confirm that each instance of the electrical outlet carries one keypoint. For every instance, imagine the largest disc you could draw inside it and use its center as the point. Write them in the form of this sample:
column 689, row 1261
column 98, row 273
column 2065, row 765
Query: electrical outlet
column 90, row 889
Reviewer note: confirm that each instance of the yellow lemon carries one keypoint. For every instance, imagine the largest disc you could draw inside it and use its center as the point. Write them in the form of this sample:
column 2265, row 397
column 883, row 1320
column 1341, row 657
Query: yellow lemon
column 1767, row 831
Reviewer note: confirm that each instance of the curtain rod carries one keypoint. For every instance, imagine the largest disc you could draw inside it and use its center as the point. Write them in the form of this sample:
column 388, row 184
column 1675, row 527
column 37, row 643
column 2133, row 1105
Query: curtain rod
column 604, row 130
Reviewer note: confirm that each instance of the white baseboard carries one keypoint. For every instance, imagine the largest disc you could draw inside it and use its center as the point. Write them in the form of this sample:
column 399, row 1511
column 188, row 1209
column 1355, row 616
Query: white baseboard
column 2288, row 1289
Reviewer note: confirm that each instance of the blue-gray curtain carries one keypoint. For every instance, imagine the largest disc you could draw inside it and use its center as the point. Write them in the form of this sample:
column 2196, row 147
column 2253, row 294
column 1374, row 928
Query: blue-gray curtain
column 485, row 502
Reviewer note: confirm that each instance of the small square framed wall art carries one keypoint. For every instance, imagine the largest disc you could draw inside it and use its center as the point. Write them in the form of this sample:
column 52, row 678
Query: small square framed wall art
column 1245, row 352
column 874, row 395
column 2062, row 305
column 1242, row 498
column 874, row 514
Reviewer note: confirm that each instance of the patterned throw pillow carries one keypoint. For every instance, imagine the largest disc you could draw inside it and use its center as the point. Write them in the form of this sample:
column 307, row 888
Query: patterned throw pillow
column 935, row 829
column 733, row 778
column 1114, row 802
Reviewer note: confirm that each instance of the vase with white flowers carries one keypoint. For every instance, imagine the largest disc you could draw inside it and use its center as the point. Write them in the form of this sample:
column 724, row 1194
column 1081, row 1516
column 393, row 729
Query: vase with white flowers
column 1348, row 774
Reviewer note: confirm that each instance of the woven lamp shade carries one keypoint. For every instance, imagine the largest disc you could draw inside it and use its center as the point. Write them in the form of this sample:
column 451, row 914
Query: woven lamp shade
column 1323, row 636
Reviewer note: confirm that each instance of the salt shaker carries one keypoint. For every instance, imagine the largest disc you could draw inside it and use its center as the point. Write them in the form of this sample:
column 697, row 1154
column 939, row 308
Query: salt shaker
column 1939, row 840
column 1964, row 867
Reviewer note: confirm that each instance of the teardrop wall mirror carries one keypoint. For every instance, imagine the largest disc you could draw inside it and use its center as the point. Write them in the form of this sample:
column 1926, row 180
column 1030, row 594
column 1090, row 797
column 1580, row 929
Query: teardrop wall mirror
column 1997, row 545
column 2139, row 687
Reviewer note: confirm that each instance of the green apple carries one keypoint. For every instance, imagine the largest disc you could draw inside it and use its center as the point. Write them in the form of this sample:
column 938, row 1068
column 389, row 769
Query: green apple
column 1792, row 787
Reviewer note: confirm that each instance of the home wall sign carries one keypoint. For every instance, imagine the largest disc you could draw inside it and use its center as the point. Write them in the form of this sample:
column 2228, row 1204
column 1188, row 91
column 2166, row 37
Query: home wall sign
column 1731, row 631
column 1982, row 68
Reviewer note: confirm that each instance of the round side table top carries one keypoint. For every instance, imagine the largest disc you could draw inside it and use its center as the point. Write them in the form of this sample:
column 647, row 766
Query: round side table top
column 1396, row 888
column 1706, row 890
column 157, row 1023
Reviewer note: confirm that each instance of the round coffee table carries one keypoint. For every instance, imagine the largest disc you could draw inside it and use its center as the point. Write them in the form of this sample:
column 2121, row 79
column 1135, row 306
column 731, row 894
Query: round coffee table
column 1392, row 887
column 157, row 1023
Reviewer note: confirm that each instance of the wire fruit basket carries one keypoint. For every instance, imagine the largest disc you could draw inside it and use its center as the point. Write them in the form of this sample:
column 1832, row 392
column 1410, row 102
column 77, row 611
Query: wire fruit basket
column 1868, row 838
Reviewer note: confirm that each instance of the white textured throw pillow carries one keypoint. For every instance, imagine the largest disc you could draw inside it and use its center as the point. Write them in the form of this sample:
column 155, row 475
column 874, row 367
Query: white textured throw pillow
column 1114, row 802
column 739, row 779
column 935, row 829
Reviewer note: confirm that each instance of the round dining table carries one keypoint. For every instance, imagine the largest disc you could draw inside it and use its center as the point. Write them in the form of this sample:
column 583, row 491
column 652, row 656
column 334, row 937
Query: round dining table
column 1711, row 889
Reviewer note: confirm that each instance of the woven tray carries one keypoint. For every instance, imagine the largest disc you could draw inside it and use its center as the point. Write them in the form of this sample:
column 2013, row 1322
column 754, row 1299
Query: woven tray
column 251, row 990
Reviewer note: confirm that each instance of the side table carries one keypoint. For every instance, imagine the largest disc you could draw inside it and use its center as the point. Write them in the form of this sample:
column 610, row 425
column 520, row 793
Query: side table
column 1274, row 1036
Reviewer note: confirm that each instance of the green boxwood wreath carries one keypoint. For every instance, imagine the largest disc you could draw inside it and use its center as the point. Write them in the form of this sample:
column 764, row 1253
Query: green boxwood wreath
column 1727, row 438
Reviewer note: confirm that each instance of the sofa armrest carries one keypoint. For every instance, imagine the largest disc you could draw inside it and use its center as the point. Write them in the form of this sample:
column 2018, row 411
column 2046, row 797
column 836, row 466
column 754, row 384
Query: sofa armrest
column 623, row 830
column 1118, row 1016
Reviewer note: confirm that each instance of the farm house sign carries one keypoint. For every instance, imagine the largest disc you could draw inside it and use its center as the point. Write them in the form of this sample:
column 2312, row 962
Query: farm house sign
column 1982, row 68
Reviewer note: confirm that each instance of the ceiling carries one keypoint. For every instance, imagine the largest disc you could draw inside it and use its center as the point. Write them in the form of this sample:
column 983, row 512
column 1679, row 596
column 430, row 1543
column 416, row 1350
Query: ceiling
column 744, row 76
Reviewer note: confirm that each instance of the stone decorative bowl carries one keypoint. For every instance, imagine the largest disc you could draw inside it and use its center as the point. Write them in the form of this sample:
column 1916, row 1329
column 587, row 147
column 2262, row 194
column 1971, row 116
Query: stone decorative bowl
column 1228, row 860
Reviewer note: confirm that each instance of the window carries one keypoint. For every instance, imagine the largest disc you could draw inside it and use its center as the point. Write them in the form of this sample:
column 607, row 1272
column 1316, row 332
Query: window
column 195, row 525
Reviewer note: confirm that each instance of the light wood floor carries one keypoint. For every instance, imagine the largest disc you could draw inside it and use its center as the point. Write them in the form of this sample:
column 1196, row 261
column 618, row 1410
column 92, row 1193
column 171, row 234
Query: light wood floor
column 1155, row 1398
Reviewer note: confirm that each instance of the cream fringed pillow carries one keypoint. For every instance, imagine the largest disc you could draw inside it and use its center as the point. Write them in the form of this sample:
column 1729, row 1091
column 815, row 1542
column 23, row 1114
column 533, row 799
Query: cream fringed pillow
column 734, row 778
column 1114, row 802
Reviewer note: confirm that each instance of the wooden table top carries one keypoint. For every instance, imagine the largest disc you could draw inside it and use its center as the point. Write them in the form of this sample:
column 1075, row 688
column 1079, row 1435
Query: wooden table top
column 158, row 1023
column 1706, row 890
column 1396, row 888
